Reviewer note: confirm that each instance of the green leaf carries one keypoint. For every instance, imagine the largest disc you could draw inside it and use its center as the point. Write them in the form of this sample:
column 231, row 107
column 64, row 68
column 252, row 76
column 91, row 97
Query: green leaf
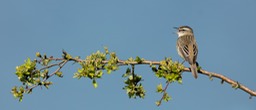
column 18, row 93
column 127, row 73
column 166, row 97
column 109, row 71
column 22, row 90
column 159, row 88
column 106, row 50
column 99, row 74
column 77, row 75
column 20, row 99
column 46, row 62
column 59, row 74
column 138, row 59
column 180, row 80
column 95, row 85
column 38, row 55
column 128, row 70
column 154, row 68
column 158, row 103
column 66, row 55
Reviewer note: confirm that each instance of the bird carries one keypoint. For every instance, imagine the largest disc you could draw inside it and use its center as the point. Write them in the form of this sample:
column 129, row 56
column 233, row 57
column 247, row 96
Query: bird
column 187, row 47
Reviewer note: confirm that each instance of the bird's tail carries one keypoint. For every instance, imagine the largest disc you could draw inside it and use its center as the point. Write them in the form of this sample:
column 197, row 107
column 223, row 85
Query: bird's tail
column 193, row 69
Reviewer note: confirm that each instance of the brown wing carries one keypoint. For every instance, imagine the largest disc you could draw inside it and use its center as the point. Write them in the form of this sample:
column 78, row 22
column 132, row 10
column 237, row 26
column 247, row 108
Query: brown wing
column 187, row 48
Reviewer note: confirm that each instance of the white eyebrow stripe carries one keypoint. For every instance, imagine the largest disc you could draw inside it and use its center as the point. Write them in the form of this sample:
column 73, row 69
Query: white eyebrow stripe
column 186, row 29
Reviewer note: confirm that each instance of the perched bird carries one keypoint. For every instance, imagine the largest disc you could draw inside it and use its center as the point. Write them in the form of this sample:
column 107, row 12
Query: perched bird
column 187, row 47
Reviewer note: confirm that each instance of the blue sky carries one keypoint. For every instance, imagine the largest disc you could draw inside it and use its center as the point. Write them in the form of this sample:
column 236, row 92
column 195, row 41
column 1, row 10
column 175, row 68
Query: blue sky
column 224, row 31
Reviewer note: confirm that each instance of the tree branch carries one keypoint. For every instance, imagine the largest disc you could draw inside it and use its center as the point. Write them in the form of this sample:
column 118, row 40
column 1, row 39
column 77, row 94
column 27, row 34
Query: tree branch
column 98, row 62
column 233, row 83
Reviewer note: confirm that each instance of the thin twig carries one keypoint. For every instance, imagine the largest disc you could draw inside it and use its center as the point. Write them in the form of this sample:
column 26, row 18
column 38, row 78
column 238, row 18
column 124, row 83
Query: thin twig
column 61, row 64
column 164, row 93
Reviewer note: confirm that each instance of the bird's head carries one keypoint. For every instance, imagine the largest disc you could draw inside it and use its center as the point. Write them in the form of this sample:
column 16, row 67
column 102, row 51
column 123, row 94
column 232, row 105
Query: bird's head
column 184, row 30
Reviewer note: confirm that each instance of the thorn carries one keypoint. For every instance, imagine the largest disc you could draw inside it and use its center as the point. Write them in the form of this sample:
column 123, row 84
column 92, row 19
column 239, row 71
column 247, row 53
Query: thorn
column 250, row 97
column 222, row 81
column 238, row 84
column 210, row 76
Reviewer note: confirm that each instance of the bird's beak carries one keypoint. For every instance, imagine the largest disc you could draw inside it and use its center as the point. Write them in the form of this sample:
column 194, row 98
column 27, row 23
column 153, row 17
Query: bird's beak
column 176, row 28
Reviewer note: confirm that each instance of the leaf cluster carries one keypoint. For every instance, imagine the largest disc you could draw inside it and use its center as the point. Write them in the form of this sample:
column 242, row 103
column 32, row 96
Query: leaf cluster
column 31, row 77
column 92, row 67
column 171, row 72
column 133, row 86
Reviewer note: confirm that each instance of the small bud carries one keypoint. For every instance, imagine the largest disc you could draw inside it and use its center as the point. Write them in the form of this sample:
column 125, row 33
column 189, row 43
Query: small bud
column 59, row 74
column 106, row 50
column 45, row 57
column 38, row 55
